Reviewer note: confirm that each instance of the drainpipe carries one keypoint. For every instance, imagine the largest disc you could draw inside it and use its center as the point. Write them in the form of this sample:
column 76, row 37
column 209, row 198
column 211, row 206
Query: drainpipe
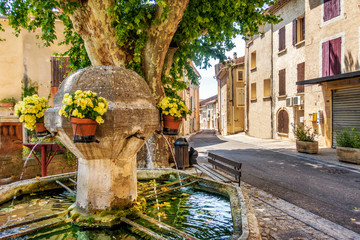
column 232, row 99
column 272, row 103
column 246, row 115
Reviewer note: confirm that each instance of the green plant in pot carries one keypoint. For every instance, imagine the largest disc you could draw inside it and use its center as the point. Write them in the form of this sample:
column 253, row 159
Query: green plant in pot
column 7, row 102
column 305, row 139
column 348, row 145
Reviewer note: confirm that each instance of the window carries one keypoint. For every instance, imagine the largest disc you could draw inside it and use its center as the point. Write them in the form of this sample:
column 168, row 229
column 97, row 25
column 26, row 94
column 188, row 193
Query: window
column 282, row 82
column 300, row 76
column 253, row 91
column 267, row 88
column 240, row 76
column 331, row 57
column 282, row 39
column 59, row 70
column 262, row 29
column 331, row 9
column 192, row 103
column 298, row 30
column 240, row 97
column 283, row 122
column 253, row 60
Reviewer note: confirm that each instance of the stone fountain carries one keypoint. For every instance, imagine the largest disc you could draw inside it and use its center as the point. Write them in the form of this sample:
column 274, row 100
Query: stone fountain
column 107, row 168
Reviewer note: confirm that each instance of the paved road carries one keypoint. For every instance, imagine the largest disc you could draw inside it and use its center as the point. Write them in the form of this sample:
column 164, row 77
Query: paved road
column 330, row 192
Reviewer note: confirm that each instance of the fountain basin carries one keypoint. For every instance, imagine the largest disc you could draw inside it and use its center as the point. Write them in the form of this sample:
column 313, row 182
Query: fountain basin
column 234, row 194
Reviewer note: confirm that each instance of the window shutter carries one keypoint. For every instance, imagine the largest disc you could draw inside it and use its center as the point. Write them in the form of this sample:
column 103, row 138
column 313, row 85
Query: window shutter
column 303, row 28
column 294, row 31
column 336, row 8
column 282, row 84
column 282, row 38
column 240, row 97
column 59, row 70
column 335, row 56
column 325, row 59
column 240, row 75
column 327, row 10
column 300, row 76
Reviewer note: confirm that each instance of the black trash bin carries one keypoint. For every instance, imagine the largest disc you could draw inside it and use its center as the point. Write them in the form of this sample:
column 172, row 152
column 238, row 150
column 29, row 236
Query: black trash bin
column 181, row 153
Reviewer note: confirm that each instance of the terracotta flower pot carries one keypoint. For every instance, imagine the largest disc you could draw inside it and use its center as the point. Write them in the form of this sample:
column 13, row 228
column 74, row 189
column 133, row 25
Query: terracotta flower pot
column 7, row 104
column 84, row 129
column 171, row 125
column 54, row 91
column 40, row 127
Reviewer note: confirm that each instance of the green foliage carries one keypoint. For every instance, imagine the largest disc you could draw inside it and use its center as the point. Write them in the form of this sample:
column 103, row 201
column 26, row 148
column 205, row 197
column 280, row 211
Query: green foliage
column 304, row 133
column 29, row 88
column 348, row 138
column 205, row 31
column 8, row 100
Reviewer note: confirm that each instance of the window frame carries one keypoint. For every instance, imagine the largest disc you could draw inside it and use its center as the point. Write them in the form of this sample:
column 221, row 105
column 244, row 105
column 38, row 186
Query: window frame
column 253, row 94
column 334, row 19
column 253, row 60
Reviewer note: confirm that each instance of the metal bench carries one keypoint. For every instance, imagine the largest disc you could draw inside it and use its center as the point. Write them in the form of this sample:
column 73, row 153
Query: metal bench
column 230, row 166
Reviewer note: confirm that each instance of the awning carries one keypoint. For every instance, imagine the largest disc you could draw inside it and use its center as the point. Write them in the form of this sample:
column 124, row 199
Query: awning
column 330, row 78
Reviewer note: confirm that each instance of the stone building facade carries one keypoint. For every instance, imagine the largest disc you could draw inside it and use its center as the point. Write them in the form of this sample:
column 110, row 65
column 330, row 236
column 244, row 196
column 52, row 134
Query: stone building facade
column 209, row 113
column 310, row 63
column 231, row 94
column 274, row 62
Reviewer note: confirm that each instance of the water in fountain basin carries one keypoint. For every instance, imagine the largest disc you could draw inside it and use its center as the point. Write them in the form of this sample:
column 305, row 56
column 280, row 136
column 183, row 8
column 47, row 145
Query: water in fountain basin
column 201, row 214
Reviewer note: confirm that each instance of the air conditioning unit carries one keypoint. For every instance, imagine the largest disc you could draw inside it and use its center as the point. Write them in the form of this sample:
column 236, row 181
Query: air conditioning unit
column 289, row 102
column 297, row 101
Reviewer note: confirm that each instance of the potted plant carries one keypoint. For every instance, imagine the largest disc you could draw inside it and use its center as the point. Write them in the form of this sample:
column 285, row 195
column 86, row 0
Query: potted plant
column 7, row 102
column 85, row 110
column 31, row 112
column 173, row 110
column 348, row 145
column 305, row 139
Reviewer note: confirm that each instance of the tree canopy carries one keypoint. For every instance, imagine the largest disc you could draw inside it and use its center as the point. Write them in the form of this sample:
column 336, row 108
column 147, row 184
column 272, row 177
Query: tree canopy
column 156, row 38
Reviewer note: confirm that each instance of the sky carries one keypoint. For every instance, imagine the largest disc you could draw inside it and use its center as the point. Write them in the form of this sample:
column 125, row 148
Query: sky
column 208, row 84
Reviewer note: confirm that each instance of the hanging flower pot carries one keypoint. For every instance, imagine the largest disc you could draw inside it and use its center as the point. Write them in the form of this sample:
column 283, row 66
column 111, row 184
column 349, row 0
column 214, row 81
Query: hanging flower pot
column 84, row 129
column 31, row 113
column 171, row 125
column 85, row 110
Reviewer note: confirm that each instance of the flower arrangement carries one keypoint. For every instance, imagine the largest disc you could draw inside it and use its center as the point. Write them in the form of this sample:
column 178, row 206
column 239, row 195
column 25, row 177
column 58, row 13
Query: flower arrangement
column 84, row 104
column 174, row 107
column 8, row 100
column 31, row 110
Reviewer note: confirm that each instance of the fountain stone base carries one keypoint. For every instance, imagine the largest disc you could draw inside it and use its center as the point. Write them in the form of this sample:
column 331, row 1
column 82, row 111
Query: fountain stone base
column 107, row 168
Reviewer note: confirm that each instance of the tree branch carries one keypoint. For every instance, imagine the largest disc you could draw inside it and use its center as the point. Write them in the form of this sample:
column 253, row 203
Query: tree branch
column 93, row 23
column 159, row 39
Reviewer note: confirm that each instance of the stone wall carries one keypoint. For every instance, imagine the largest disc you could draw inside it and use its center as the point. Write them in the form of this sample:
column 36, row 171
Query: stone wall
column 11, row 167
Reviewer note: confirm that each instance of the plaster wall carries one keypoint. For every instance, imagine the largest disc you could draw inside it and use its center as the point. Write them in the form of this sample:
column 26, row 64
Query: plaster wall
column 346, row 26
column 287, row 59
column 223, row 96
column 26, row 57
column 259, row 112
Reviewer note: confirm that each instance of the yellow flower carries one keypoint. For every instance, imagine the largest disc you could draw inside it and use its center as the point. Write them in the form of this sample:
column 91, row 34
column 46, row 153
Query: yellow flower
column 99, row 120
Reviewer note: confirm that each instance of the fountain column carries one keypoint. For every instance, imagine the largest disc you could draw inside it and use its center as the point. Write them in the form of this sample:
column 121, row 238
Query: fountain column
column 107, row 168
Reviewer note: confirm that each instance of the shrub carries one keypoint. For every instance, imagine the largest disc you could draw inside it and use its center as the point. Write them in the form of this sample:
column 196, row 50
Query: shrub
column 8, row 100
column 349, row 137
column 304, row 133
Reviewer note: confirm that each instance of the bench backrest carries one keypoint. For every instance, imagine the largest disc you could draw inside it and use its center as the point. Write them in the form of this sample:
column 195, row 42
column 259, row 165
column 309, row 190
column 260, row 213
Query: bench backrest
column 225, row 160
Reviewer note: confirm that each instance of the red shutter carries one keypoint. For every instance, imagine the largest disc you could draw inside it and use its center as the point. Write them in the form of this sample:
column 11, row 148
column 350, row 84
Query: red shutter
column 282, row 83
column 281, row 38
column 327, row 10
column 335, row 56
column 300, row 76
column 325, row 59
column 336, row 8
column 331, row 9
column 59, row 70
column 294, row 31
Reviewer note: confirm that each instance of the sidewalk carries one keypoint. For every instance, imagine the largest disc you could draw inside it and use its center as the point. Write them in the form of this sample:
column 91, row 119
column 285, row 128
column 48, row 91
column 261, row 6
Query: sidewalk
column 325, row 155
